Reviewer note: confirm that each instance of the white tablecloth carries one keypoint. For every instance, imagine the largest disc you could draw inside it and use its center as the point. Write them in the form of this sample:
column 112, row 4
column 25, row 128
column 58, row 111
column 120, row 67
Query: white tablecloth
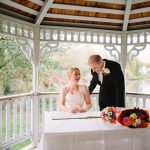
column 91, row 134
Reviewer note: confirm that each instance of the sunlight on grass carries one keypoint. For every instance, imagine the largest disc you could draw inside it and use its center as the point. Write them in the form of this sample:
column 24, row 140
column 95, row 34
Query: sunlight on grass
column 21, row 145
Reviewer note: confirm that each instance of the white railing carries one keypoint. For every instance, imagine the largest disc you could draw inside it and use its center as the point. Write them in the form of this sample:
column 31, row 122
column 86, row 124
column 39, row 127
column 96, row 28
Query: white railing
column 15, row 119
column 138, row 100
column 16, row 113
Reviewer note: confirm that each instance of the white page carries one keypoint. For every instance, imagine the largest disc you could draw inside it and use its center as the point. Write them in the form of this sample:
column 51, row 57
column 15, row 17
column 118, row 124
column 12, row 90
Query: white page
column 68, row 115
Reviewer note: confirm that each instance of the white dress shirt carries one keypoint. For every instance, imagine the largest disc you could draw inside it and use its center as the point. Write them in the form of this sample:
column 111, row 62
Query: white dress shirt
column 100, row 74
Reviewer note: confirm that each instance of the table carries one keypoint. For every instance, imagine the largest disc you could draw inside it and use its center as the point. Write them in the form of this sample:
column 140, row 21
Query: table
column 91, row 134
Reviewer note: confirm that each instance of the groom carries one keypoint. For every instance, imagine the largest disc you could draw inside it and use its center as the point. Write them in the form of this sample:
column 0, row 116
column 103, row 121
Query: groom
column 109, row 76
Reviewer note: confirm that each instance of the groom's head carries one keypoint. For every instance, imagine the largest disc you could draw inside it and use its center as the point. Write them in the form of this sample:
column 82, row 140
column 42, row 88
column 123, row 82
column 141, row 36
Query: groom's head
column 95, row 63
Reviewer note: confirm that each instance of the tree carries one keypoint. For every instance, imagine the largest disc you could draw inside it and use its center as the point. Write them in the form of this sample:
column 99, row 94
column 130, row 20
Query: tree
column 13, row 66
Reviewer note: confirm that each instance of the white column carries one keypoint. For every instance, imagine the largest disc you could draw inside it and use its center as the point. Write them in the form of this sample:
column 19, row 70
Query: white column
column 124, row 55
column 123, row 51
column 35, row 100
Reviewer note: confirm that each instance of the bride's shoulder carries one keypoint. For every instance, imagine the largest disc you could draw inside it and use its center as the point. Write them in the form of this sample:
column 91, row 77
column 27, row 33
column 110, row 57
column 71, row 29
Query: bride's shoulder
column 64, row 88
column 83, row 87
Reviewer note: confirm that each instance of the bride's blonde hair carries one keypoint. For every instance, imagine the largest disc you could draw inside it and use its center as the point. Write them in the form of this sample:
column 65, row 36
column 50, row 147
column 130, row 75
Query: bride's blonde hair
column 71, row 70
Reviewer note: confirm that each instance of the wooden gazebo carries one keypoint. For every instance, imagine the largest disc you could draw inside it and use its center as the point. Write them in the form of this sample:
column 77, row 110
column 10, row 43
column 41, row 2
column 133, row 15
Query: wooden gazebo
column 109, row 22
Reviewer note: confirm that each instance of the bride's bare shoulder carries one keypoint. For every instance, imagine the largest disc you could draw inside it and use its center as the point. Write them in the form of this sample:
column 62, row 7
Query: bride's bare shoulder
column 64, row 89
column 83, row 87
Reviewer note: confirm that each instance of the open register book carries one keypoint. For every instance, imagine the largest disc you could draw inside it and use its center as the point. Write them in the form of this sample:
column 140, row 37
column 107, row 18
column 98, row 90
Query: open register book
column 68, row 115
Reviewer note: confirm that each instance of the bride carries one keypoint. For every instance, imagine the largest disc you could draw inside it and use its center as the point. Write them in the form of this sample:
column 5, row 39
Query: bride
column 73, row 96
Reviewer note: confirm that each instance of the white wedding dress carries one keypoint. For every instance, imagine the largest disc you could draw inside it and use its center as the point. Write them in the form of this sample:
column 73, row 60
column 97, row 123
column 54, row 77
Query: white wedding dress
column 75, row 99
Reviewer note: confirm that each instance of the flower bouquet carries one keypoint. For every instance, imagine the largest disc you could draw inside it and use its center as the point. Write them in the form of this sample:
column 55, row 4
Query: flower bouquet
column 109, row 114
column 134, row 118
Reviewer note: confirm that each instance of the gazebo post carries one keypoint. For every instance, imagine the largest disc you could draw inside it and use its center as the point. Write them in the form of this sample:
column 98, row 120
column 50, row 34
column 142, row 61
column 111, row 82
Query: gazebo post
column 123, row 51
column 35, row 100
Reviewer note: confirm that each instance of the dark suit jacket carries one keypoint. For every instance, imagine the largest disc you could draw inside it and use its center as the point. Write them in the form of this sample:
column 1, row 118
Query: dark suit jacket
column 112, row 91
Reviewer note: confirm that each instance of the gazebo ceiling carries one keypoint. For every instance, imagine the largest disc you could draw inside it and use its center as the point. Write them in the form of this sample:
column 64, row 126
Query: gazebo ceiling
column 123, row 15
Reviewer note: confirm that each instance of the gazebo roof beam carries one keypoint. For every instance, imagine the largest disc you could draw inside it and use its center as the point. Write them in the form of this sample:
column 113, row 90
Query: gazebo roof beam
column 83, row 18
column 46, row 5
column 140, row 10
column 105, row 28
column 139, row 20
column 127, row 14
column 85, row 8
column 122, row 2
column 139, row 1
column 109, row 1
column 18, row 6
column 39, row 2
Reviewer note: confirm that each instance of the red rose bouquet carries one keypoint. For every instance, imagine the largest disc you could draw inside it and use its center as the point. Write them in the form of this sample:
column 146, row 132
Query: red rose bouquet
column 134, row 118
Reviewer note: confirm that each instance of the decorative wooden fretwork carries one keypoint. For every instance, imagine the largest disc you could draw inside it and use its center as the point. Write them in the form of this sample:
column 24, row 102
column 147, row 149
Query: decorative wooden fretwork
column 79, row 36
column 26, row 47
column 136, row 43
column 16, row 28
column 114, row 51
column 46, row 47
column 51, row 37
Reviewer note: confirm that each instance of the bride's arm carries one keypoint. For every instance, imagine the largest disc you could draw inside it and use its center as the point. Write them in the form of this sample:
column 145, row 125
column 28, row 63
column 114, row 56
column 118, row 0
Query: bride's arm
column 62, row 100
column 87, row 98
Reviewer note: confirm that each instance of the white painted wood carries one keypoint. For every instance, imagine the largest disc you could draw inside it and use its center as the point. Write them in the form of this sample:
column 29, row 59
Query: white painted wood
column 137, row 101
column 140, row 10
column 7, row 121
column 86, row 8
column 35, row 120
column 0, row 123
column 39, row 2
column 50, row 103
column 57, row 103
column 123, row 60
column 19, row 6
column 65, row 29
column 15, row 115
column 83, row 18
column 28, row 115
column 127, row 14
column 132, row 101
column 43, row 106
column 36, row 60
column 123, row 2
column 35, row 99
column 139, row 1
column 139, row 19
column 46, row 5
column 21, row 116
column 109, row 1
column 144, row 102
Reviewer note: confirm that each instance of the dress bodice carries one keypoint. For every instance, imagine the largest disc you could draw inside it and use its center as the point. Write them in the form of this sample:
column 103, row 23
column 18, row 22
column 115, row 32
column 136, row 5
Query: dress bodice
column 75, row 99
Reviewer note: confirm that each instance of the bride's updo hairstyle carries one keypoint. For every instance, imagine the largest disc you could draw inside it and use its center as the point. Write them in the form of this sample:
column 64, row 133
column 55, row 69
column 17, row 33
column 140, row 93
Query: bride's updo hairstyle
column 71, row 70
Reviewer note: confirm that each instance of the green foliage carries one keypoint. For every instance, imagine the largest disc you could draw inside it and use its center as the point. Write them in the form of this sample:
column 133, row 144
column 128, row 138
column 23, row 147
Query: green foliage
column 51, row 68
column 13, row 66
column 21, row 145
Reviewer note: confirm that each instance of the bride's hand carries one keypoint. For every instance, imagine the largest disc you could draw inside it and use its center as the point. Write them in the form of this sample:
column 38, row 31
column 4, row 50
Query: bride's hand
column 74, row 110
column 80, row 109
